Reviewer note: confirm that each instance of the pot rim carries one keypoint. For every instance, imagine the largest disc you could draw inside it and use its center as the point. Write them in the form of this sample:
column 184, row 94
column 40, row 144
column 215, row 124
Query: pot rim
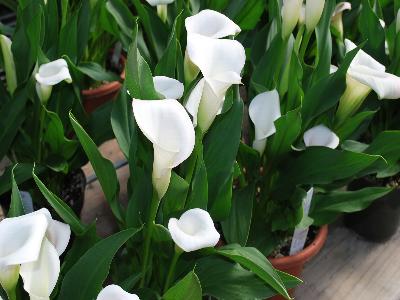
column 304, row 255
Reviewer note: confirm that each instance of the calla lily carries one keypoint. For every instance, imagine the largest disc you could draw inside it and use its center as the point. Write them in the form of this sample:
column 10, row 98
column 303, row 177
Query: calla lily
column 291, row 10
column 31, row 245
column 9, row 65
column 161, row 7
column 221, row 62
column 366, row 74
column 194, row 230
column 115, row 292
column 159, row 2
column 336, row 20
column 167, row 125
column 302, row 15
column 168, row 87
column 314, row 9
column 320, row 136
column 49, row 75
column 207, row 23
column 264, row 110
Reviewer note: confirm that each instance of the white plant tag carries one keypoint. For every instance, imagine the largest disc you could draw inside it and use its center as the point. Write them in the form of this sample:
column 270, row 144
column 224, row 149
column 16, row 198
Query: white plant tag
column 300, row 234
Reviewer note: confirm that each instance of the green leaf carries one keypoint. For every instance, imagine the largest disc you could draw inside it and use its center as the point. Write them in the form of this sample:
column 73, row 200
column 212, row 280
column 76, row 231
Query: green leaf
column 237, row 227
column 139, row 79
column 122, row 15
column 84, row 280
column 288, row 128
column 246, row 13
column 83, row 28
column 97, row 72
column 16, row 206
column 62, row 209
column 386, row 144
column 123, row 122
column 328, row 88
column 187, row 288
column 326, row 207
column 223, row 279
column 168, row 62
column 68, row 42
column 175, row 198
column 220, row 154
column 198, row 197
column 256, row 262
column 346, row 129
column 103, row 168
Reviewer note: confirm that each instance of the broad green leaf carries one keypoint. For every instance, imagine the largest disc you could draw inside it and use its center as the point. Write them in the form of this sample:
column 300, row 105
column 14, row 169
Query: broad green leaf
column 220, row 154
column 326, row 207
column 198, row 197
column 68, row 42
column 346, row 129
column 62, row 209
column 187, row 288
column 223, row 279
column 139, row 80
column 97, row 72
column 83, row 28
column 328, row 88
column 246, row 13
column 84, row 280
column 121, row 12
column 237, row 227
column 16, row 206
column 288, row 128
column 103, row 168
column 175, row 198
column 123, row 122
column 168, row 62
column 256, row 262
column 387, row 144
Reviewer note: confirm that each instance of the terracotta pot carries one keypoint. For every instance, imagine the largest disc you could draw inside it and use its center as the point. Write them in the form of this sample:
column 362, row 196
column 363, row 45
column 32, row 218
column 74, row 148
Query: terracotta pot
column 93, row 98
column 294, row 264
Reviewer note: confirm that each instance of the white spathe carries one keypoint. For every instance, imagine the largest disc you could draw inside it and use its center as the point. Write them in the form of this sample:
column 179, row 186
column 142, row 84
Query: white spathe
column 194, row 230
column 159, row 2
column 264, row 110
column 314, row 9
column 9, row 65
column 212, row 24
column 320, row 135
column 291, row 10
column 220, row 62
column 170, row 88
column 168, row 126
column 115, row 292
column 368, row 71
column 336, row 19
column 50, row 74
column 32, row 244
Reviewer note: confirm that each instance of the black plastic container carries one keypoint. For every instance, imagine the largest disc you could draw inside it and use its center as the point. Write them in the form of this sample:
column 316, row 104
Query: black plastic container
column 378, row 222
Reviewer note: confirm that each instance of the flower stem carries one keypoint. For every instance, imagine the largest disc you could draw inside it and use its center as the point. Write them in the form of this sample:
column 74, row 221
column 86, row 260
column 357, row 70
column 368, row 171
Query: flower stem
column 172, row 267
column 304, row 44
column 155, row 201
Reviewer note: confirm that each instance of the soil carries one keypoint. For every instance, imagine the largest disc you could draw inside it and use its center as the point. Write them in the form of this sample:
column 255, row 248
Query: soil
column 393, row 182
column 73, row 190
column 283, row 248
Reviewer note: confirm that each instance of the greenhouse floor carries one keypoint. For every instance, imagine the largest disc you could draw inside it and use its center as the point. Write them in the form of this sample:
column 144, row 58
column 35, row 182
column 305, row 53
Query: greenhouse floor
column 347, row 268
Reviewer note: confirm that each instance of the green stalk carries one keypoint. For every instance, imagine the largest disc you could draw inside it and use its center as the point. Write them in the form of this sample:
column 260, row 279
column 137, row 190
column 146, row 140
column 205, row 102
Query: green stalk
column 304, row 44
column 172, row 268
column 40, row 133
column 155, row 202
column 12, row 295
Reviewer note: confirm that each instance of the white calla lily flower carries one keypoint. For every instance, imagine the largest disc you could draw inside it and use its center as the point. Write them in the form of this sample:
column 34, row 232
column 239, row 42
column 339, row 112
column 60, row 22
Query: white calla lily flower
column 208, row 24
column 336, row 19
column 161, row 7
column 314, row 9
column 170, row 88
column 194, row 230
column 291, row 10
column 9, row 65
column 221, row 62
column 31, row 245
column 364, row 74
column 321, row 135
column 49, row 75
column 212, row 24
column 264, row 110
column 115, row 292
column 159, row 2
column 168, row 126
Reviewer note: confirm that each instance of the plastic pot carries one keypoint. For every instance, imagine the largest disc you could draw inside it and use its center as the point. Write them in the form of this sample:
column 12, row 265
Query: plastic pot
column 294, row 264
column 379, row 221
